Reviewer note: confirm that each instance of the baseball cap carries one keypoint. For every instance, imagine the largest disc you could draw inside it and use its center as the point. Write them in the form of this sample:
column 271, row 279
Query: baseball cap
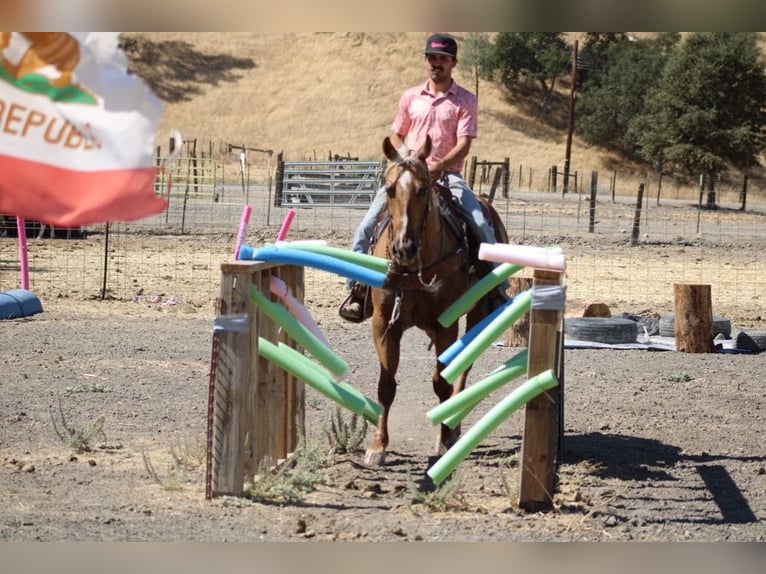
column 441, row 44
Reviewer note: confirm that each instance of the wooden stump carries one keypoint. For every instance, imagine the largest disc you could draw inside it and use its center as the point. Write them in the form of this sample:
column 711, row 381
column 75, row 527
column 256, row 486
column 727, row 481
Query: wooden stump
column 518, row 334
column 694, row 318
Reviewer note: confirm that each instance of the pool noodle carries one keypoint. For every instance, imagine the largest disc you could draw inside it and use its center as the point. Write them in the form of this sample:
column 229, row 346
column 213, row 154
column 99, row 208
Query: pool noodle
column 467, row 300
column 298, row 310
column 363, row 259
column 21, row 234
column 520, row 305
column 454, row 349
column 470, row 396
column 286, row 224
column 241, row 234
column 489, row 422
column 302, row 336
column 371, row 411
column 318, row 260
column 286, row 358
column 527, row 255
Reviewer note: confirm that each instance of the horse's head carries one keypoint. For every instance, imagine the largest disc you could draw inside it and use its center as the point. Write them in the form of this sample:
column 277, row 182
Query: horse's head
column 407, row 184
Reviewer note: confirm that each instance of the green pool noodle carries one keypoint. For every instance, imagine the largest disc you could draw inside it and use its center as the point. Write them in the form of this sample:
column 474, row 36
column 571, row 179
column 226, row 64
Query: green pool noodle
column 372, row 410
column 489, row 422
column 468, row 299
column 464, row 401
column 370, row 261
column 305, row 338
column 455, row 419
column 520, row 305
column 287, row 358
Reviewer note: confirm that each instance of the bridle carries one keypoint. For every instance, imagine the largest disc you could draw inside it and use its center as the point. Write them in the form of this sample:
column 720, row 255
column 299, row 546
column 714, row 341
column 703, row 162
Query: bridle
column 401, row 279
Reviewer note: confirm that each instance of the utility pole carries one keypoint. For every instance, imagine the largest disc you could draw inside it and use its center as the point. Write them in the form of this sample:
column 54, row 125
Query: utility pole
column 570, row 127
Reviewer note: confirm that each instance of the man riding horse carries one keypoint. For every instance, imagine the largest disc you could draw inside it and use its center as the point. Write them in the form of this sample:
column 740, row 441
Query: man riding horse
column 446, row 112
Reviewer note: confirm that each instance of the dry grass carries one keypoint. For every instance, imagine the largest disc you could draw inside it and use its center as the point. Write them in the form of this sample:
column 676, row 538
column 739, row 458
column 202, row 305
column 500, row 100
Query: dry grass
column 312, row 94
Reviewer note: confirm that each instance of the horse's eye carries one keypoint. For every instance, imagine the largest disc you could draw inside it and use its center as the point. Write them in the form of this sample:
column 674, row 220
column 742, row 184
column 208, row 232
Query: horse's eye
column 391, row 190
column 422, row 190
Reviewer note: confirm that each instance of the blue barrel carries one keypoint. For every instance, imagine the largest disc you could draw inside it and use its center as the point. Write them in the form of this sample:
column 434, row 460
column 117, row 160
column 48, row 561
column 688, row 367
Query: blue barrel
column 19, row 303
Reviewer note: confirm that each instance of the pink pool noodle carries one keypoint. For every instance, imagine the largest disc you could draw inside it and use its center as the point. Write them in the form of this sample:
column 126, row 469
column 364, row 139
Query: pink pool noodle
column 526, row 255
column 21, row 232
column 242, row 229
column 296, row 308
column 286, row 224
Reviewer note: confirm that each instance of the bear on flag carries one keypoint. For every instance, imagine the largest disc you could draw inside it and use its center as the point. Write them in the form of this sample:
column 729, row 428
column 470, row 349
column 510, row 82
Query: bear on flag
column 76, row 130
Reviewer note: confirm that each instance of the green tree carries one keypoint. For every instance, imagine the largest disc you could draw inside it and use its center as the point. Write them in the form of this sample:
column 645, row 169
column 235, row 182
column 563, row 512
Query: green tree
column 477, row 57
column 523, row 57
column 621, row 74
column 709, row 110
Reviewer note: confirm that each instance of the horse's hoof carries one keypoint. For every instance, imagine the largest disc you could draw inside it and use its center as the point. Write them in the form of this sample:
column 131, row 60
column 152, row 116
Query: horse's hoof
column 374, row 457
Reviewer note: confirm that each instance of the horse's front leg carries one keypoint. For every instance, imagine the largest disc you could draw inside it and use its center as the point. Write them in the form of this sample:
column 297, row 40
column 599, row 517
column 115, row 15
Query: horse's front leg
column 387, row 339
column 443, row 338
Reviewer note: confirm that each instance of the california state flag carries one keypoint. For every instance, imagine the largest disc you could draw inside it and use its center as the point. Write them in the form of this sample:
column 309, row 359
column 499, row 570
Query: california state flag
column 76, row 130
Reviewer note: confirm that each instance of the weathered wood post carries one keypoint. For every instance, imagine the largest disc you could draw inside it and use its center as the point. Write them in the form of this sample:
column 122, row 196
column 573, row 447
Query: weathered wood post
column 693, row 324
column 279, row 179
column 554, row 177
column 256, row 411
column 506, row 176
column 543, row 423
column 637, row 217
column 592, row 203
column 518, row 334
column 743, row 194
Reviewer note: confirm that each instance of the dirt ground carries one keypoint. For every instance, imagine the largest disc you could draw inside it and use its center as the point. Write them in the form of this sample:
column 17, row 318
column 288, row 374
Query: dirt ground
column 657, row 446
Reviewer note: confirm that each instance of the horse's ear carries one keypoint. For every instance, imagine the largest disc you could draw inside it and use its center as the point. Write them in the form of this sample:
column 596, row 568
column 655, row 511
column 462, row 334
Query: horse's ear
column 390, row 151
column 425, row 149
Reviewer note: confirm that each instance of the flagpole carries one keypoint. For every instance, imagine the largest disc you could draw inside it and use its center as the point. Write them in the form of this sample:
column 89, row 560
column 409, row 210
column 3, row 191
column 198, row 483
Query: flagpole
column 21, row 234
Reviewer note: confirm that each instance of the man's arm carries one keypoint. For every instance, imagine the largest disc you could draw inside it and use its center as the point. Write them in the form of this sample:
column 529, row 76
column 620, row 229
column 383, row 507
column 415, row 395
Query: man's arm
column 457, row 153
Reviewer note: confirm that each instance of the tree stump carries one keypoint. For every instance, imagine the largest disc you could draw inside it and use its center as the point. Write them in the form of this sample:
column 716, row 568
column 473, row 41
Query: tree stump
column 694, row 318
column 518, row 334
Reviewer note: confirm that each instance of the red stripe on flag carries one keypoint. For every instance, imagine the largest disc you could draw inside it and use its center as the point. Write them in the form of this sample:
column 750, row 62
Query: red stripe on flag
column 67, row 198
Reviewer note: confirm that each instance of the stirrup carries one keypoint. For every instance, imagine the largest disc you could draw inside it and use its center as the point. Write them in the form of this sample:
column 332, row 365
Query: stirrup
column 346, row 313
column 359, row 294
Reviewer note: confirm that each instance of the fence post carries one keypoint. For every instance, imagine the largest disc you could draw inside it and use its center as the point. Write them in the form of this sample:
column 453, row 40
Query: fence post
column 743, row 196
column 543, row 422
column 592, row 209
column 278, row 180
column 256, row 412
column 506, row 177
column 472, row 172
column 554, row 174
column 637, row 216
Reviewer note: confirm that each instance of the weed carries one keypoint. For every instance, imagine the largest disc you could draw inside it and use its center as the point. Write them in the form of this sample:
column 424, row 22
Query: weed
column 186, row 455
column 346, row 437
column 171, row 482
column 444, row 497
column 75, row 438
column 292, row 480
column 680, row 378
column 89, row 388
column 189, row 454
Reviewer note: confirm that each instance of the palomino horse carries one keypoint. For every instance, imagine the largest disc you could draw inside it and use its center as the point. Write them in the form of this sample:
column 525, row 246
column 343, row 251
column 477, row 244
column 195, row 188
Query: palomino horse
column 430, row 267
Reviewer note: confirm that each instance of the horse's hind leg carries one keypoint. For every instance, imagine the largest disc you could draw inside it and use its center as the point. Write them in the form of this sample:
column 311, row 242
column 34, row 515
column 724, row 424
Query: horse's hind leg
column 387, row 347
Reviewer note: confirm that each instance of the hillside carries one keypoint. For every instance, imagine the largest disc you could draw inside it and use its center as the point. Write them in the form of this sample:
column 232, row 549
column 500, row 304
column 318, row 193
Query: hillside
column 310, row 94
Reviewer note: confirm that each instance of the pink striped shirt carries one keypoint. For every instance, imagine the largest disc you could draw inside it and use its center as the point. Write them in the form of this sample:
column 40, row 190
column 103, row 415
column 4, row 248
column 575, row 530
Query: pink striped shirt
column 445, row 118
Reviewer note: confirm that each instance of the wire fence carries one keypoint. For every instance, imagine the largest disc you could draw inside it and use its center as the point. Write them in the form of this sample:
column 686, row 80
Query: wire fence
column 174, row 257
